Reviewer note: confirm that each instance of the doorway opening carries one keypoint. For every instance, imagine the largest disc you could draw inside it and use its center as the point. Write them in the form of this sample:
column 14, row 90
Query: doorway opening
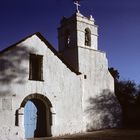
column 37, row 116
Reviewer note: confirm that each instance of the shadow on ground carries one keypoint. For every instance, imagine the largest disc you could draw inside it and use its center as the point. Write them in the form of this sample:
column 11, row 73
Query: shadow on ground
column 112, row 134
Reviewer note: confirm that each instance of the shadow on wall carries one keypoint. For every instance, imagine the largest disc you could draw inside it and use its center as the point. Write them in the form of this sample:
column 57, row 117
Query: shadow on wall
column 11, row 67
column 103, row 111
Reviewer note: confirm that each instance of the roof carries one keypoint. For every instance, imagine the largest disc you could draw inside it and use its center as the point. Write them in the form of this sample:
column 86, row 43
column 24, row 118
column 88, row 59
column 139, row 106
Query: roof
column 41, row 37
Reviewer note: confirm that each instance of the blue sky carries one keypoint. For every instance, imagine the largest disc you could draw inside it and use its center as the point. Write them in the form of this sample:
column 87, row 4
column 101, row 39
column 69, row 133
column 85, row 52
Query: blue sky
column 118, row 21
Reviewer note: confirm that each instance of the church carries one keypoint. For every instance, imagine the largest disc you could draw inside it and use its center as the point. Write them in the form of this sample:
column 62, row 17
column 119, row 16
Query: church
column 45, row 92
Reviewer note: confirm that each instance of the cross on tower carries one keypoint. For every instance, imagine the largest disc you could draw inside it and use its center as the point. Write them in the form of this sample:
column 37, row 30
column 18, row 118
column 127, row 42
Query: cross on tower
column 76, row 2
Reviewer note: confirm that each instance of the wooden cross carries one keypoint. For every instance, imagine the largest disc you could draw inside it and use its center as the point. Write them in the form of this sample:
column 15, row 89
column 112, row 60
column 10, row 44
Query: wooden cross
column 76, row 2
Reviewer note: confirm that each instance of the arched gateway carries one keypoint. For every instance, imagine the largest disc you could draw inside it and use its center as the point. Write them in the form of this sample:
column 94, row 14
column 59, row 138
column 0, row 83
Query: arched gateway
column 37, row 116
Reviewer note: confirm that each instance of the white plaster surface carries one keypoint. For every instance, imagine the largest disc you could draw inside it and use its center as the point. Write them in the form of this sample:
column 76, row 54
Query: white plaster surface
column 79, row 104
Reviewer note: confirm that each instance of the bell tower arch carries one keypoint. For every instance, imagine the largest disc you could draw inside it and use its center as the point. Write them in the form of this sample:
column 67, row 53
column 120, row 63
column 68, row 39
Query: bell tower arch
column 75, row 32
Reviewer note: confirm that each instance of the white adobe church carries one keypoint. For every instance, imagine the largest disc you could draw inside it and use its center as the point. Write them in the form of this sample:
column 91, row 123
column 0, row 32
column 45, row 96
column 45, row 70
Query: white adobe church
column 71, row 89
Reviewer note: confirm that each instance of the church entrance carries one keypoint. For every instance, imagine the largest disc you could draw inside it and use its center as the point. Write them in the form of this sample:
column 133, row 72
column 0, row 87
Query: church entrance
column 30, row 119
column 37, row 116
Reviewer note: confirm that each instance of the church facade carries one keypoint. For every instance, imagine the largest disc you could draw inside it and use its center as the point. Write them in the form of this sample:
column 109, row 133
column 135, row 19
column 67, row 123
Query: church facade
column 71, row 89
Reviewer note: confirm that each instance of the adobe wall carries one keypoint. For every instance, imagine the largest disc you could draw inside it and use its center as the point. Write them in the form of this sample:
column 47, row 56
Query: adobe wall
column 101, row 107
column 61, row 86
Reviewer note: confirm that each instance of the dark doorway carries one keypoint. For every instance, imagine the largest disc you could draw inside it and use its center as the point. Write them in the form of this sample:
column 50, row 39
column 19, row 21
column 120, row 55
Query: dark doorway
column 37, row 118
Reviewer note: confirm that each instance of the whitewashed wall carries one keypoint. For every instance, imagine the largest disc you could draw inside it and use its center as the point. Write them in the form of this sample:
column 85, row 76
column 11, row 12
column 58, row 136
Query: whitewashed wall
column 79, row 102
column 61, row 86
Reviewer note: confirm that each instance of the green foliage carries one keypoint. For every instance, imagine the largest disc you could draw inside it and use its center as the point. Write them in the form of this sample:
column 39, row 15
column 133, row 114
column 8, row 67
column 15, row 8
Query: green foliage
column 128, row 94
column 114, row 73
column 125, row 90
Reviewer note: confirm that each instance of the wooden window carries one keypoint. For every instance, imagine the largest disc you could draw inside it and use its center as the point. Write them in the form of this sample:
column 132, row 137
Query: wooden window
column 36, row 67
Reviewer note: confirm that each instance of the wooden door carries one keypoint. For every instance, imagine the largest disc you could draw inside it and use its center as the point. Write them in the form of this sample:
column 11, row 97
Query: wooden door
column 30, row 119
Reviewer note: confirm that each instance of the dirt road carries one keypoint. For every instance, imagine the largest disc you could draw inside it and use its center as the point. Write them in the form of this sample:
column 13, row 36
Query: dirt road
column 120, row 134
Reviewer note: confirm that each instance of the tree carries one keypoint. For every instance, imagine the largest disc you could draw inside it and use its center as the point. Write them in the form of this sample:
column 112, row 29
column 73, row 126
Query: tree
column 128, row 94
column 125, row 90
column 114, row 73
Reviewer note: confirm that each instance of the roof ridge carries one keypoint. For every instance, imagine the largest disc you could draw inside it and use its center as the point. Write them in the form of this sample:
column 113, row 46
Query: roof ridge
column 57, row 53
column 41, row 37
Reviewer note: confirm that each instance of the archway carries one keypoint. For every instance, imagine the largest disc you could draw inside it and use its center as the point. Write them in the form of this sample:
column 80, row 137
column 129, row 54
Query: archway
column 37, row 116
column 87, row 37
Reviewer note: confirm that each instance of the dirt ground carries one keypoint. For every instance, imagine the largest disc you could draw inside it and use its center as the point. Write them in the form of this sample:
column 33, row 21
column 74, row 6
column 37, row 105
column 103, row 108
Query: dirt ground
column 114, row 134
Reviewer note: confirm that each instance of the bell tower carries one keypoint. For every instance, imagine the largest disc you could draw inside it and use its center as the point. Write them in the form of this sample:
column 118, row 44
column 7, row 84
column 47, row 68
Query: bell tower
column 76, row 32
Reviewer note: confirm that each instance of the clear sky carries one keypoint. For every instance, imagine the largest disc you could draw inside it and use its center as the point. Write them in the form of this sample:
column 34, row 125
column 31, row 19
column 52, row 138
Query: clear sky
column 118, row 21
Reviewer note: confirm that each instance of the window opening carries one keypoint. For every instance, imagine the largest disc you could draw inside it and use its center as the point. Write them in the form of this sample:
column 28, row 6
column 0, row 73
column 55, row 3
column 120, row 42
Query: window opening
column 36, row 67
column 68, row 39
column 87, row 37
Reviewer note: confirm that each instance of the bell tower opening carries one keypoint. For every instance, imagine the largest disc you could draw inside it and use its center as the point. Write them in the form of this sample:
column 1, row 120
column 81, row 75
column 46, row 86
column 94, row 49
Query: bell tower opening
column 67, row 38
column 87, row 37
column 74, row 33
